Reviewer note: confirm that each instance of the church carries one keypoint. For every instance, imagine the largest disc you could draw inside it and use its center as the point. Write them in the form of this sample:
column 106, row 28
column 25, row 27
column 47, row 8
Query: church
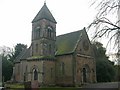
column 66, row 59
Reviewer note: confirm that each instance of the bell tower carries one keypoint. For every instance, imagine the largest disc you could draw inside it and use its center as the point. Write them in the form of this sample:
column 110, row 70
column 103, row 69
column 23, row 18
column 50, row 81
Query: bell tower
column 43, row 33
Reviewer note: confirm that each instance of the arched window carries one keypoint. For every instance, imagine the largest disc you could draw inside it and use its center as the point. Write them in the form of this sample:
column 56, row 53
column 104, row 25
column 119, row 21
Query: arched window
column 50, row 47
column 44, row 47
column 32, row 49
column 37, row 32
column 49, row 32
column 36, row 47
column 62, row 67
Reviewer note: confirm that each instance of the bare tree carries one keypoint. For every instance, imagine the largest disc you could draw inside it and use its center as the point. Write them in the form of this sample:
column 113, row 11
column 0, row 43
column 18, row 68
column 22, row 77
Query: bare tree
column 107, row 21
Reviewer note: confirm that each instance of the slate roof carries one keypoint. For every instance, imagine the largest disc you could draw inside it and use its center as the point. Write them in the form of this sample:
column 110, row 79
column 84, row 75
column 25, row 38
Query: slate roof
column 17, row 59
column 66, row 43
column 44, row 13
column 26, row 54
column 23, row 55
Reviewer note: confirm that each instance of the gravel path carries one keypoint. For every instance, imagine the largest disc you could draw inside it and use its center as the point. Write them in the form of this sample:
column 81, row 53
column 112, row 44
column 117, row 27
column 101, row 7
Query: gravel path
column 108, row 86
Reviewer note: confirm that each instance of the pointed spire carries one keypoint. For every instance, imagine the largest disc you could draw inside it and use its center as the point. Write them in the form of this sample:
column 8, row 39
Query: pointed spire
column 44, row 13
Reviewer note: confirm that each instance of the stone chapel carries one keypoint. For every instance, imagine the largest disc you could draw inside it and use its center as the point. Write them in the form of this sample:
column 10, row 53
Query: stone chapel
column 66, row 59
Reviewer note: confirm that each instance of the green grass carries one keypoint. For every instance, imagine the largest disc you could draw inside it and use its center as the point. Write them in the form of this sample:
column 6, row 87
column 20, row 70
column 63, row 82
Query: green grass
column 59, row 88
column 14, row 86
column 21, row 86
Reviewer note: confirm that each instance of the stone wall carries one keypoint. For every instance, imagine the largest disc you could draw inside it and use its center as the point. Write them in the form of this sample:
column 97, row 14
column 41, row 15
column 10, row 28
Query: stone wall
column 64, row 77
column 88, row 63
column 49, row 72
column 17, row 72
column 40, row 45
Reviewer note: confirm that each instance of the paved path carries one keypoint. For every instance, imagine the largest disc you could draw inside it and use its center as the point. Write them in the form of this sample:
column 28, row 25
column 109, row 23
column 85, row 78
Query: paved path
column 110, row 85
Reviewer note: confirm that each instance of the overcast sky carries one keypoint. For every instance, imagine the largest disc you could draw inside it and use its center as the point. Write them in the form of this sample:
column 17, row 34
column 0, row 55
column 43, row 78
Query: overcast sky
column 16, row 17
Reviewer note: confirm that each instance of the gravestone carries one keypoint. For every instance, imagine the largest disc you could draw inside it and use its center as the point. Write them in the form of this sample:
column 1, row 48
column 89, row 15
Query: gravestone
column 35, row 85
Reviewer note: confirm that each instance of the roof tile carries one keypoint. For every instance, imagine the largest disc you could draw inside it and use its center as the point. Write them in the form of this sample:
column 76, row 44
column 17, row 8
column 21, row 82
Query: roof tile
column 44, row 13
column 66, row 43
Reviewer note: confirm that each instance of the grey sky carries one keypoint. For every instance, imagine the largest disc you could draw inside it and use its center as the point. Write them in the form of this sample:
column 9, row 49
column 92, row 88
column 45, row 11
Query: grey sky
column 16, row 17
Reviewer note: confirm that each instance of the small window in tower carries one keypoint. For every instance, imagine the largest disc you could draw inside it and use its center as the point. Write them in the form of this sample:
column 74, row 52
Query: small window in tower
column 49, row 32
column 36, row 47
column 37, row 32
column 38, row 29
column 32, row 49
column 50, row 47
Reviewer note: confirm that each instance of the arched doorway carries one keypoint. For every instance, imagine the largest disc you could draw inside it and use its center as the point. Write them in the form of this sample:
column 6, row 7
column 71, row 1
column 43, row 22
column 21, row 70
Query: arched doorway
column 35, row 74
column 84, row 75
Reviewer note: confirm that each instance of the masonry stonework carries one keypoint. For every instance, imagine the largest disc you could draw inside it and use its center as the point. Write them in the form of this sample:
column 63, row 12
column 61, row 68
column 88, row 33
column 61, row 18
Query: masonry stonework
column 65, row 60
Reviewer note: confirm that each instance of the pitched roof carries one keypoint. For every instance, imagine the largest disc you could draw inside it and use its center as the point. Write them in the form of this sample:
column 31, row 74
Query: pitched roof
column 44, row 13
column 23, row 55
column 26, row 54
column 66, row 43
column 17, row 59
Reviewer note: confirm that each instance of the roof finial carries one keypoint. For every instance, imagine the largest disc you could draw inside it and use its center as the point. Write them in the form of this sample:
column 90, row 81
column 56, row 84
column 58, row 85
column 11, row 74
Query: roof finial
column 45, row 2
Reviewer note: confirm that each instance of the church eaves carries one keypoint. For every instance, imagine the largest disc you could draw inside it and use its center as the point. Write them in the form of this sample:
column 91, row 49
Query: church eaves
column 44, row 13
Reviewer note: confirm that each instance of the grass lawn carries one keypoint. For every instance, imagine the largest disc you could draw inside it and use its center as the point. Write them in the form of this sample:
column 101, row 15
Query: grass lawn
column 21, row 86
column 14, row 86
column 60, row 88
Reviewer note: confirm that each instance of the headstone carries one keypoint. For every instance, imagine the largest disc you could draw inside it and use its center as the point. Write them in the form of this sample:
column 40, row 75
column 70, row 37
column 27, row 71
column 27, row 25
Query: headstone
column 35, row 85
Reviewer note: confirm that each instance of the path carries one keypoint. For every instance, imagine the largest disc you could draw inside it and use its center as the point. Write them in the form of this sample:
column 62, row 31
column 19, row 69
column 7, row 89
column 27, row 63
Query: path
column 108, row 86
